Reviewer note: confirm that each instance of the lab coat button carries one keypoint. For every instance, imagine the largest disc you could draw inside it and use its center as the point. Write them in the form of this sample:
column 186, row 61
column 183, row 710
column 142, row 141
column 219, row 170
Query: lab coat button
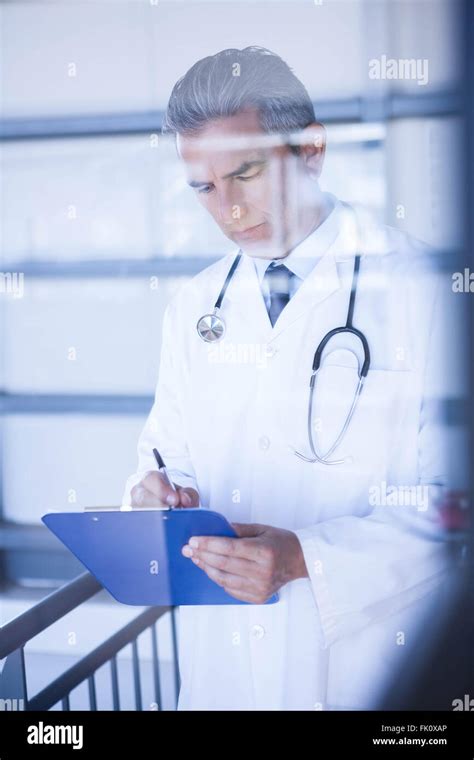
column 270, row 351
column 258, row 632
column 264, row 442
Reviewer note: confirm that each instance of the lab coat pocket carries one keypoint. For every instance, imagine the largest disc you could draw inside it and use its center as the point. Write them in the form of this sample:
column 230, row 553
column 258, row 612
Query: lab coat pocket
column 388, row 419
column 386, row 407
column 333, row 395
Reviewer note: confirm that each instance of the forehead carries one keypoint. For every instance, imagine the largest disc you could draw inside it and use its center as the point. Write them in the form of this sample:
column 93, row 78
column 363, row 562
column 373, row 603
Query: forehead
column 227, row 140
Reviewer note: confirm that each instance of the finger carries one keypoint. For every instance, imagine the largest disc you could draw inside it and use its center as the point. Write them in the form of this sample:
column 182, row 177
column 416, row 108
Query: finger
column 235, row 582
column 153, row 482
column 188, row 497
column 234, row 565
column 246, row 548
column 244, row 597
column 248, row 530
column 157, row 485
column 141, row 497
column 235, row 586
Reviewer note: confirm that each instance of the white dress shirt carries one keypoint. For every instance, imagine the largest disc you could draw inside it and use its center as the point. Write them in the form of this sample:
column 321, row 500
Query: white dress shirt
column 304, row 257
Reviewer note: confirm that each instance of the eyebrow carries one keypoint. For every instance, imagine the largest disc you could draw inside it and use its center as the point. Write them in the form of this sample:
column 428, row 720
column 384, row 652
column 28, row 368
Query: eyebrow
column 240, row 170
column 244, row 168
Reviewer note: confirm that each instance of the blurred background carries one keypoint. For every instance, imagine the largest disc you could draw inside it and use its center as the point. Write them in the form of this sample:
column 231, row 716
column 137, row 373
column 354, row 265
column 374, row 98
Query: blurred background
column 97, row 217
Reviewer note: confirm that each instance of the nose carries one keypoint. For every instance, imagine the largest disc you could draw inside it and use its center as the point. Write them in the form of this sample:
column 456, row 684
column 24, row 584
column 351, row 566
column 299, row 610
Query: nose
column 229, row 207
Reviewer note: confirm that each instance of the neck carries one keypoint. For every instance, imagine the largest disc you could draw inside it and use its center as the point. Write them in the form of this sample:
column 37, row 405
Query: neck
column 316, row 216
column 310, row 221
column 313, row 215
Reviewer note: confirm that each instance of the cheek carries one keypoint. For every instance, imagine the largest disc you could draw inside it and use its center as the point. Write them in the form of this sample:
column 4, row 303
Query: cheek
column 259, row 195
column 206, row 202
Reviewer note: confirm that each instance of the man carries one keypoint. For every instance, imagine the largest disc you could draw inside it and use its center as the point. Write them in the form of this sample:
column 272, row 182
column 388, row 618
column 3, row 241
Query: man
column 348, row 563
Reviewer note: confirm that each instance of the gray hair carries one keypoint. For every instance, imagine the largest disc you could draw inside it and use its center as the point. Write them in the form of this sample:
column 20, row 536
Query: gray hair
column 233, row 80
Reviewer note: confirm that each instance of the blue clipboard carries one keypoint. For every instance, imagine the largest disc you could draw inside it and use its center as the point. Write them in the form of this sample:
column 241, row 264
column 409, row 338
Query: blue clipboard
column 136, row 554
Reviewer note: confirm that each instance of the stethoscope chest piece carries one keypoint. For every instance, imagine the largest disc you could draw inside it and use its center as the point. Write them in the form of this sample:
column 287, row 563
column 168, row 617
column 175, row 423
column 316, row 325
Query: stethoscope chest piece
column 211, row 327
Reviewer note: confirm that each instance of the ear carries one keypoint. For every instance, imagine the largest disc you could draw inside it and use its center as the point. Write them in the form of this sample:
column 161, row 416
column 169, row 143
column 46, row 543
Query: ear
column 313, row 148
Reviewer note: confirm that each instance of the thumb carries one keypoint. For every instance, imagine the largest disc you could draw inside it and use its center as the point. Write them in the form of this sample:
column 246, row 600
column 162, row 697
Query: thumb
column 248, row 530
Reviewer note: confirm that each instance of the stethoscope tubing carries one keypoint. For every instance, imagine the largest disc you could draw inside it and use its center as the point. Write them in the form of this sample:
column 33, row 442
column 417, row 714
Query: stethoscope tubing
column 211, row 328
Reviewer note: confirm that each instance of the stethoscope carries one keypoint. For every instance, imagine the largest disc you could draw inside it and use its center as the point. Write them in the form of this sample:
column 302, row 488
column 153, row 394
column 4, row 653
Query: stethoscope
column 211, row 328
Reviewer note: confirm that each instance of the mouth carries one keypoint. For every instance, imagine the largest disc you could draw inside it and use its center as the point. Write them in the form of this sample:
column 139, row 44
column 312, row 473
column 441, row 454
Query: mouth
column 252, row 233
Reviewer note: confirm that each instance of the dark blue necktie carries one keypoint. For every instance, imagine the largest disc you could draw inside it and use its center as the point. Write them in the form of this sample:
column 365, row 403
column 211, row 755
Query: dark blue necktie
column 278, row 277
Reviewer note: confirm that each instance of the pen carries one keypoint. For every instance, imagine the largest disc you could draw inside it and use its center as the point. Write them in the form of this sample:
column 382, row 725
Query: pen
column 162, row 469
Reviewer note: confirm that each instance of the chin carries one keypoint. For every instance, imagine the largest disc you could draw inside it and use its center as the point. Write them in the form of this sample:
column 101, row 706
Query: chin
column 262, row 249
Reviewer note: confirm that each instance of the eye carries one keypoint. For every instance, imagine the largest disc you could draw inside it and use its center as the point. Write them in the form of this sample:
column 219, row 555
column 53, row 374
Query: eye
column 246, row 179
column 206, row 189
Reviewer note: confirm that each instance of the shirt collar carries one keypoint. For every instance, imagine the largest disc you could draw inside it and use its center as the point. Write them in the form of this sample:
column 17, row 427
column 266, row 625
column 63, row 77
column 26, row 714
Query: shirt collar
column 303, row 258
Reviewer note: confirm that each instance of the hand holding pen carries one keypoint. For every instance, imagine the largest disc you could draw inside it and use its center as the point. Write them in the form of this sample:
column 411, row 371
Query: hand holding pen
column 156, row 489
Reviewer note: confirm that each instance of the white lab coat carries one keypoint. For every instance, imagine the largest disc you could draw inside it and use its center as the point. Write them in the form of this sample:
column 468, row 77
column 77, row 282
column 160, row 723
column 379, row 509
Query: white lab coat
column 223, row 419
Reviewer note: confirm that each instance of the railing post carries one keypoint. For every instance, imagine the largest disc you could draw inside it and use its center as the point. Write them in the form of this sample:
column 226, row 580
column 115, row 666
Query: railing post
column 174, row 637
column 13, row 693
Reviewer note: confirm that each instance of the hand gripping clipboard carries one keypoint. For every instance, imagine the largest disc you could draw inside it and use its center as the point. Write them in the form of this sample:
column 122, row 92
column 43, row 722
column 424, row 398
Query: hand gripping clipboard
column 136, row 554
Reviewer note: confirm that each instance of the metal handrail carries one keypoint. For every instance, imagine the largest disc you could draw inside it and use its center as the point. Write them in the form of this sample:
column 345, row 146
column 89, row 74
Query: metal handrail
column 15, row 634
column 87, row 666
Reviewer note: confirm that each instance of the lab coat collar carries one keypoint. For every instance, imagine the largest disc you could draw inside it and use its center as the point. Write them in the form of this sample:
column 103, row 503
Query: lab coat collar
column 302, row 259
column 322, row 281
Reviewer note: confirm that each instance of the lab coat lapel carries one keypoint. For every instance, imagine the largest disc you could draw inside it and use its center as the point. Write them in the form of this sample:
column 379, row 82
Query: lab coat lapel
column 245, row 294
column 321, row 283
column 324, row 280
